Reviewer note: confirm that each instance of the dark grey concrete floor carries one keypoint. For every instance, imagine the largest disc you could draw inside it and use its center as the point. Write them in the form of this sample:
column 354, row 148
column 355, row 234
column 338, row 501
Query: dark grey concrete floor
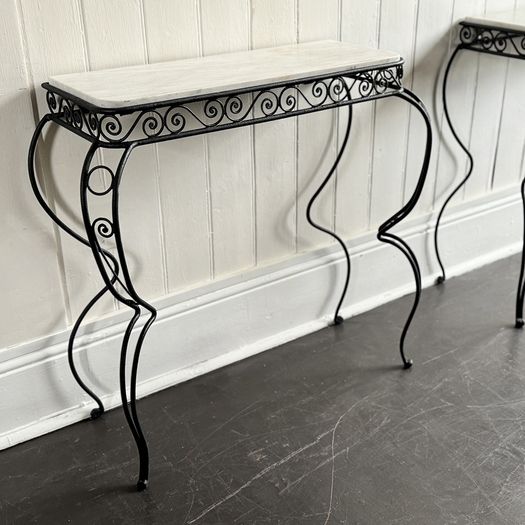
column 326, row 429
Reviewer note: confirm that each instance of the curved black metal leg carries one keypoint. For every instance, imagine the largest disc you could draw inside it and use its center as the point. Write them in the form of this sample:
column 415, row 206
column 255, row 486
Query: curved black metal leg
column 442, row 277
column 144, row 457
column 383, row 231
column 337, row 318
column 96, row 412
column 110, row 228
column 520, row 297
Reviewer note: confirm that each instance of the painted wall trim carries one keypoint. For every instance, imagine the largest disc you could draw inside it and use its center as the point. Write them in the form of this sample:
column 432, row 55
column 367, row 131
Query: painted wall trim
column 200, row 330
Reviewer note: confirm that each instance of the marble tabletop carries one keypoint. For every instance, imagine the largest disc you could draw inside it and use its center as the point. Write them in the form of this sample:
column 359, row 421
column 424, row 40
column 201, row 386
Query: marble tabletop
column 152, row 83
column 514, row 20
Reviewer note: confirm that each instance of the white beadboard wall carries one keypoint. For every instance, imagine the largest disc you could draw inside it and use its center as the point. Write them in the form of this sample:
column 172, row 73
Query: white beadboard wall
column 202, row 211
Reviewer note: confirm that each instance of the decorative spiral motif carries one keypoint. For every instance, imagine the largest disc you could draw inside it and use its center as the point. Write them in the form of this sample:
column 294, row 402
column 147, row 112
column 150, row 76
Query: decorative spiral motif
column 174, row 120
column 152, row 124
column 103, row 227
column 500, row 42
column 189, row 117
column 110, row 127
column 337, row 89
column 233, row 108
column 495, row 41
column 51, row 101
column 214, row 110
column 288, row 99
column 92, row 123
column 366, row 86
column 467, row 34
column 104, row 191
column 320, row 92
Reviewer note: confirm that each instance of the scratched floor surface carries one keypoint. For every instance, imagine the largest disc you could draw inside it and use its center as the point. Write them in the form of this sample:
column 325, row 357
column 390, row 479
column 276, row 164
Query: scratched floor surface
column 326, row 429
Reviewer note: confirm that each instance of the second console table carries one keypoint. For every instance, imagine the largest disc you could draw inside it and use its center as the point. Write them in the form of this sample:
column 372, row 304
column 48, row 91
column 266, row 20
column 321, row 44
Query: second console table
column 501, row 34
column 129, row 107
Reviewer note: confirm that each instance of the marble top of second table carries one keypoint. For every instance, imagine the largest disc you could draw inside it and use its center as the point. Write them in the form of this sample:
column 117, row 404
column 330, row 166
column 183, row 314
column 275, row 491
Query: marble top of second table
column 166, row 81
column 513, row 20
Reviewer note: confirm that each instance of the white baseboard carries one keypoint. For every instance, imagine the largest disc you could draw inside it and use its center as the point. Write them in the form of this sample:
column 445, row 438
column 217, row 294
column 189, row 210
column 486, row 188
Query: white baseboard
column 218, row 324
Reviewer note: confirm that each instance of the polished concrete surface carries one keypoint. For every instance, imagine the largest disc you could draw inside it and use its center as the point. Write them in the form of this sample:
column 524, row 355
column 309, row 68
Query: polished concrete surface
column 326, row 429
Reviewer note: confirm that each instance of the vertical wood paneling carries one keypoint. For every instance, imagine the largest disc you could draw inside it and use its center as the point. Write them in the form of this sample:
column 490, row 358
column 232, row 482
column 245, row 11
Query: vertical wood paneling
column 432, row 44
column 55, row 45
column 226, row 28
column 206, row 207
column 359, row 26
column 114, row 34
column 29, row 284
column 487, row 113
column 317, row 133
column 274, row 24
column 172, row 32
column 396, row 31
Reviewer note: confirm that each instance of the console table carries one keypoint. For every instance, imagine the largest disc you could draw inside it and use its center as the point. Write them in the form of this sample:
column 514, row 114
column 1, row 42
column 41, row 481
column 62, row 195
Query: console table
column 501, row 34
column 133, row 106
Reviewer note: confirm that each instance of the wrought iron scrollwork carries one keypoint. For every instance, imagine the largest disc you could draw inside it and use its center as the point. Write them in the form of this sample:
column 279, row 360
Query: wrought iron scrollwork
column 492, row 40
column 147, row 124
column 128, row 127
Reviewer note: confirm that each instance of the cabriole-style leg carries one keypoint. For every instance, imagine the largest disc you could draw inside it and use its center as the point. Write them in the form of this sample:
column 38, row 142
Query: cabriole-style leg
column 96, row 412
column 337, row 318
column 442, row 277
column 383, row 231
column 100, row 228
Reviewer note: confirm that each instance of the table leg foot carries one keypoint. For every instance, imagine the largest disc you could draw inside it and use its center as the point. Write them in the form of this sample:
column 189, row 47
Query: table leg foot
column 142, row 485
column 440, row 280
column 519, row 323
column 407, row 364
column 338, row 320
column 96, row 413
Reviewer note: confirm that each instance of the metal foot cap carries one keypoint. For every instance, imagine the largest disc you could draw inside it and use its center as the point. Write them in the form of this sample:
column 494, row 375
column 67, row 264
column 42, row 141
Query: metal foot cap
column 142, row 484
column 96, row 413
column 440, row 279
column 407, row 364
column 338, row 320
column 519, row 323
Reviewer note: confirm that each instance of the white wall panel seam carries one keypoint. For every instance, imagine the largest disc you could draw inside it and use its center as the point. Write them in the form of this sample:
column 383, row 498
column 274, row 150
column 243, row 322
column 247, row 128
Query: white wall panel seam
column 296, row 141
column 209, row 205
column 39, row 165
column 500, row 120
column 156, row 175
column 252, row 146
column 102, row 175
column 411, row 87
column 502, row 105
column 472, row 114
column 254, row 152
column 337, row 119
column 442, row 120
column 522, row 162
column 374, row 123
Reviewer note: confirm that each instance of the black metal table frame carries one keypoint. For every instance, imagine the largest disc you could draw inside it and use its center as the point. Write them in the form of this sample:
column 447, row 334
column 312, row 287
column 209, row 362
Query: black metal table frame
column 132, row 126
column 509, row 43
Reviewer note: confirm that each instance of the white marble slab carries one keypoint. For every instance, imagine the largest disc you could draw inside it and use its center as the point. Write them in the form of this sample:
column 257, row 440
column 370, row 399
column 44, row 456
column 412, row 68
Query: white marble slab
column 514, row 20
column 116, row 88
